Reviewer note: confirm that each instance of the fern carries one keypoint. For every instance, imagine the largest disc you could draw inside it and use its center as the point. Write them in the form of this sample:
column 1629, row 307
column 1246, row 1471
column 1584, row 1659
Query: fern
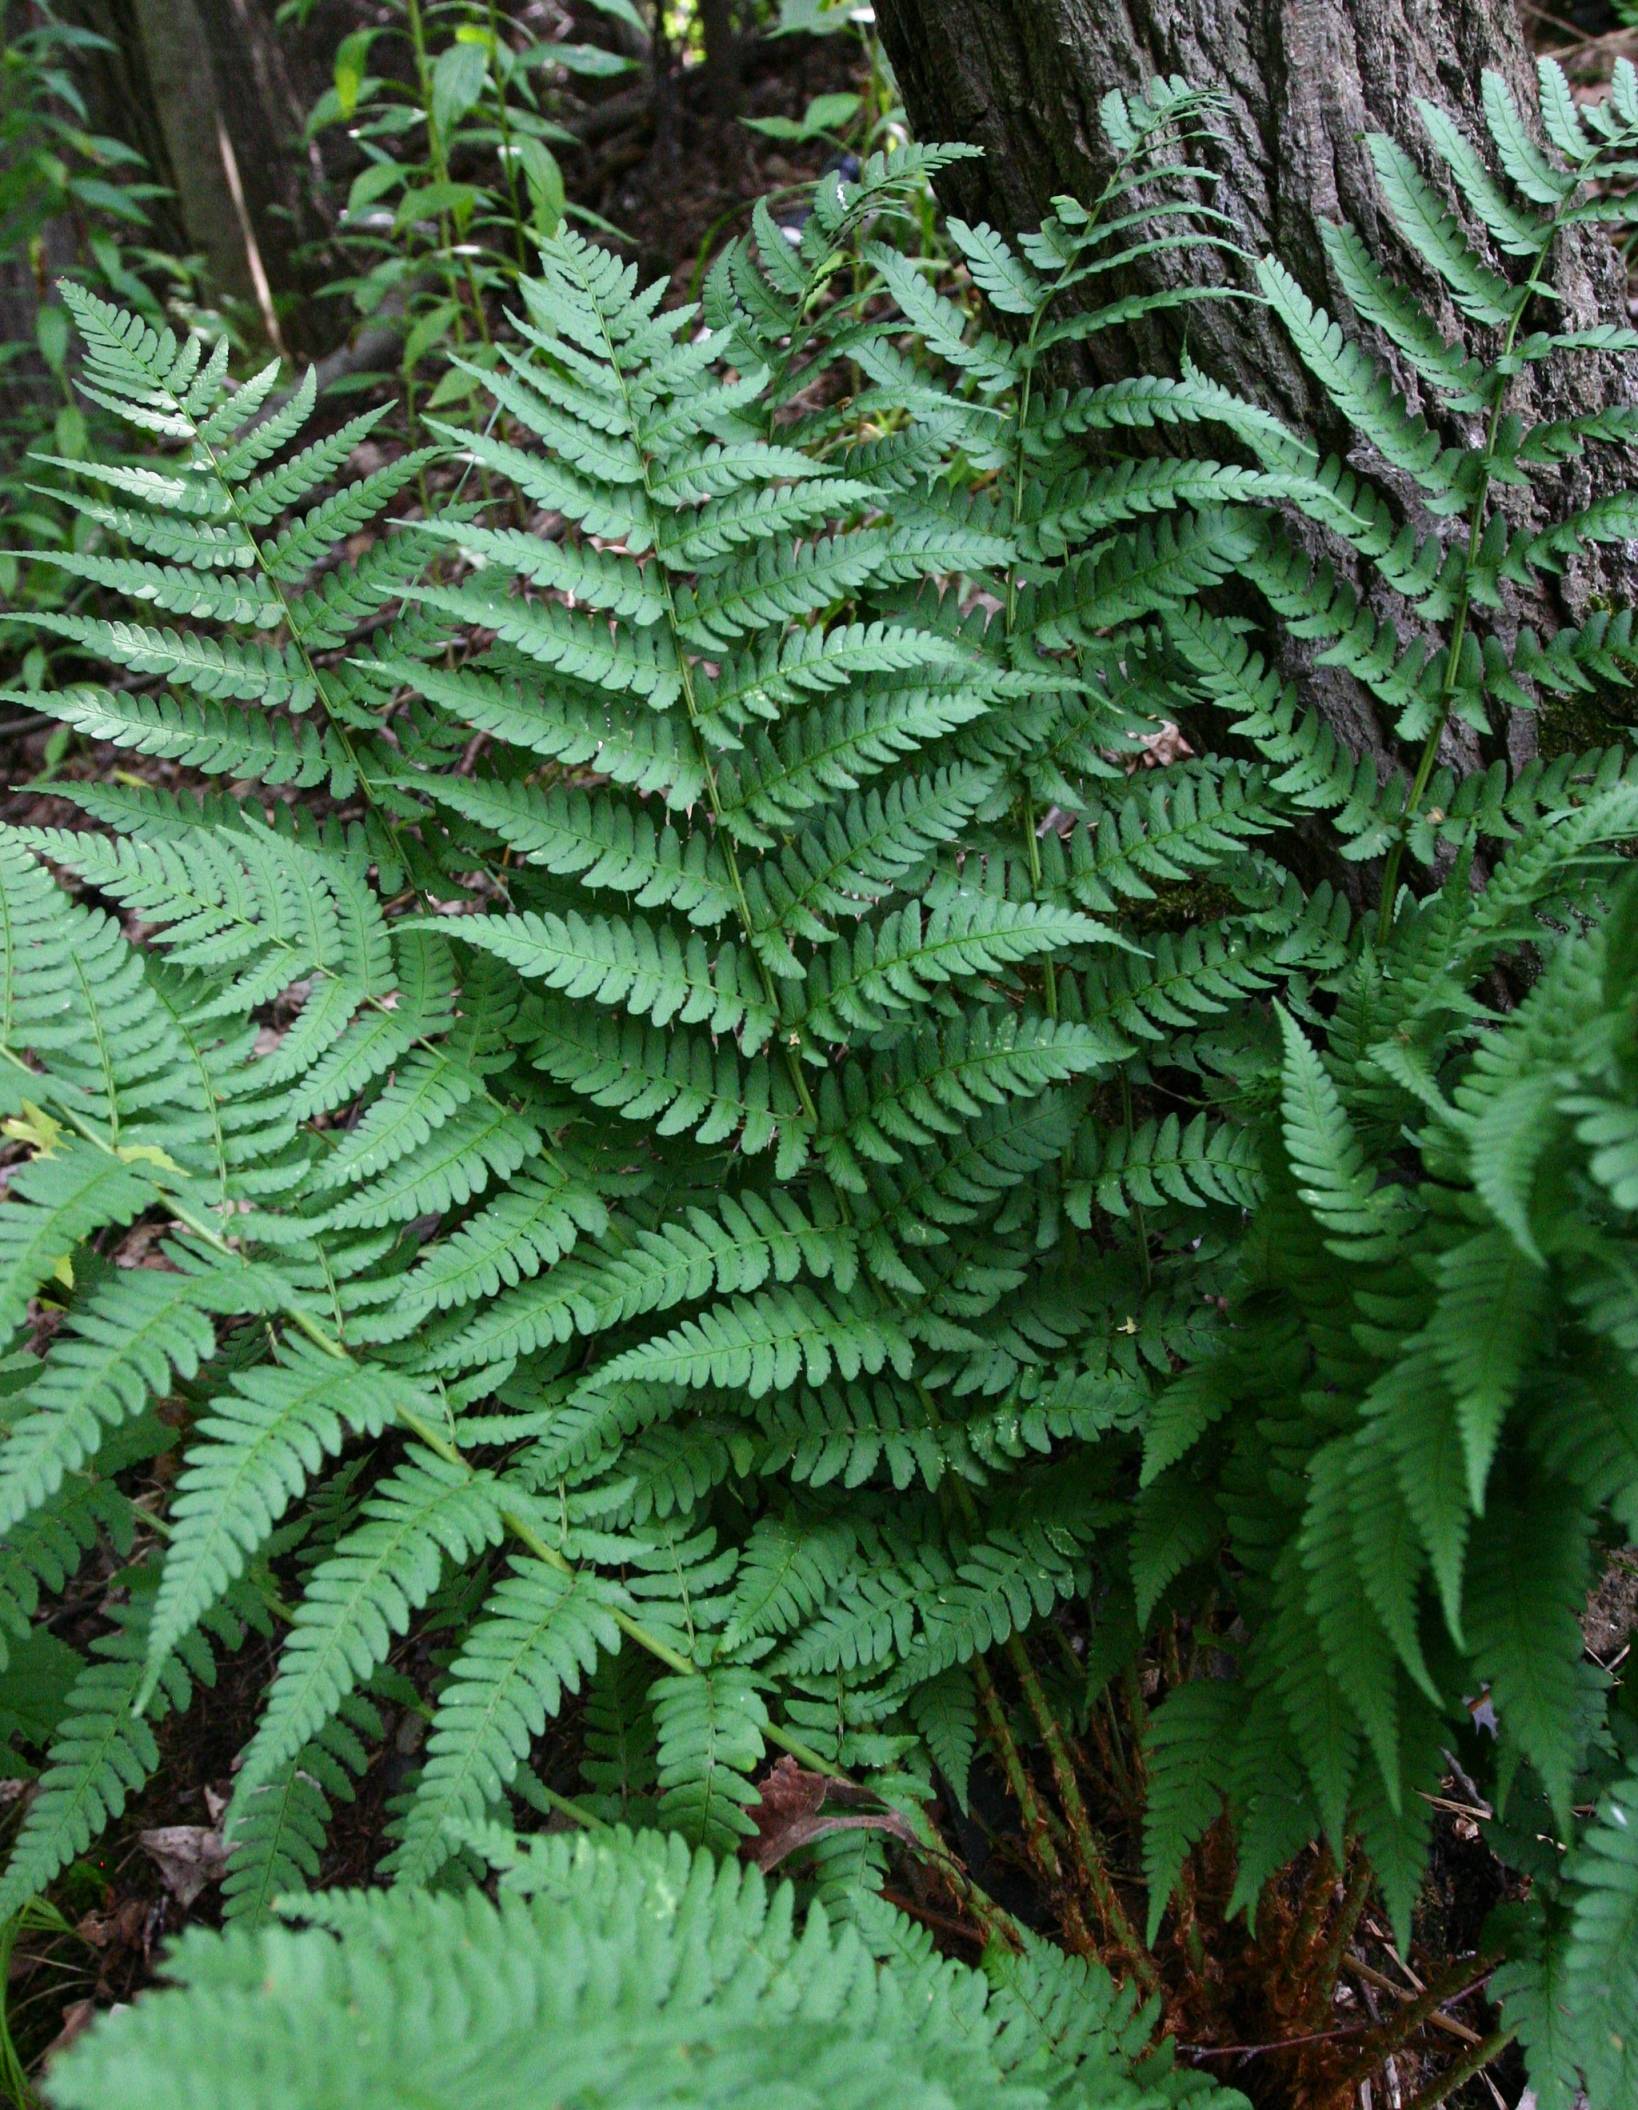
column 361, row 1595
column 760, row 1182
column 131, row 1340
column 280, row 1842
column 255, row 1446
column 725, row 1991
column 103, row 1751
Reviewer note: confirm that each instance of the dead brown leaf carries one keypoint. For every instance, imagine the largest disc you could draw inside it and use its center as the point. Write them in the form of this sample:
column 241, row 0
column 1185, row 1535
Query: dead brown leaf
column 77, row 2018
column 794, row 1806
column 188, row 1857
column 1163, row 747
column 122, row 1928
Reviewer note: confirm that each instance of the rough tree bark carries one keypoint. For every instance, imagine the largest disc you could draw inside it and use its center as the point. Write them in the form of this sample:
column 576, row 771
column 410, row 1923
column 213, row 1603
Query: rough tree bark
column 1303, row 82
column 720, row 26
column 272, row 177
column 202, row 89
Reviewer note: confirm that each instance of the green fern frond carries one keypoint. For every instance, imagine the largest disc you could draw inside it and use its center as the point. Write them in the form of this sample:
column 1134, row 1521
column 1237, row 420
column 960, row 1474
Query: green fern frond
column 1190, row 1753
column 1326, row 1157
column 44, row 1551
column 362, row 1595
column 627, row 1957
column 710, row 1731
column 757, row 1344
column 252, row 1454
column 540, row 1634
column 781, row 1089
column 645, row 969
column 278, row 1850
column 138, row 1332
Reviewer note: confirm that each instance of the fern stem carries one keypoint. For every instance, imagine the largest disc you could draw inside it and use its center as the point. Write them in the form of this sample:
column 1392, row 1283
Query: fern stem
column 1043, row 1827
column 1088, row 1854
column 1368, row 1974
column 1304, row 1933
column 1106, row 1735
column 1140, row 1715
column 1473, row 2061
column 1040, row 1829
column 1354, row 1900
column 1419, row 2012
column 1077, row 1830
column 550, row 1803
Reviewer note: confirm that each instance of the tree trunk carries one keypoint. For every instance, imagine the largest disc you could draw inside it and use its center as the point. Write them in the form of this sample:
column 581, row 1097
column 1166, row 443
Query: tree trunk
column 201, row 89
column 719, row 24
column 274, row 173
column 1302, row 82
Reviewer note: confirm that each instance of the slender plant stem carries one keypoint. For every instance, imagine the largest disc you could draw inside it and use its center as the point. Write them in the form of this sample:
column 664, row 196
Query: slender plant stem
column 1076, row 1831
column 1354, row 1900
column 503, row 112
column 1044, row 1832
column 440, row 172
column 1463, row 1977
column 1472, row 2061
column 552, row 1804
column 1304, row 1936
column 1103, row 1725
column 1397, row 2029
column 1040, row 1829
column 1083, row 1841
column 1357, row 1967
